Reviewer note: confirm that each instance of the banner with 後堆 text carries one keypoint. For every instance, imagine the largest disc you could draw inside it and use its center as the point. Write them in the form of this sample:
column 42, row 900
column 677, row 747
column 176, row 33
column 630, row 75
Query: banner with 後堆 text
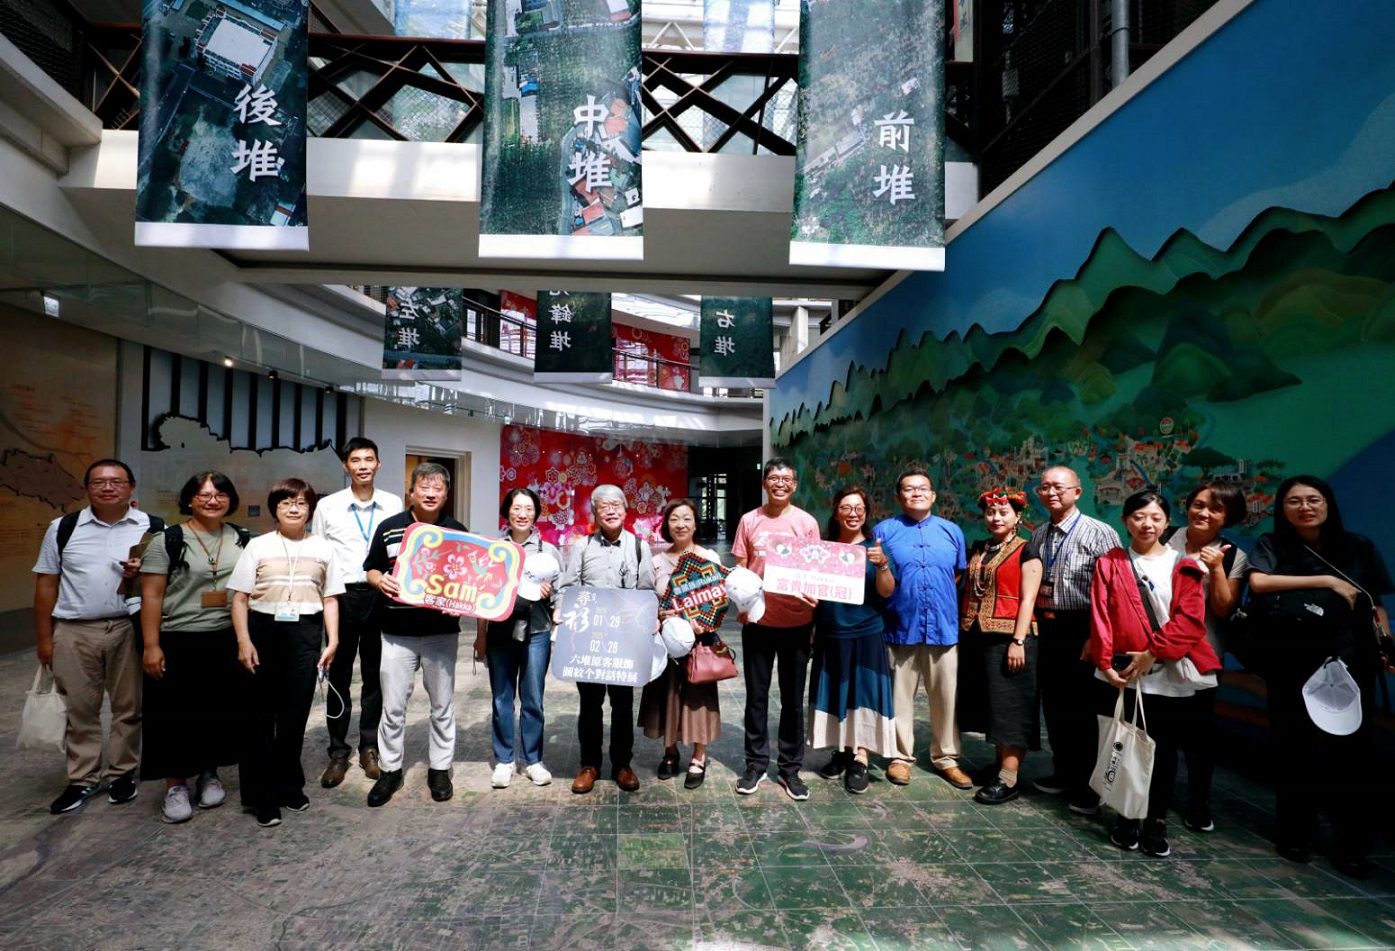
column 737, row 339
column 563, row 126
column 423, row 334
column 574, row 339
column 222, row 126
column 869, row 166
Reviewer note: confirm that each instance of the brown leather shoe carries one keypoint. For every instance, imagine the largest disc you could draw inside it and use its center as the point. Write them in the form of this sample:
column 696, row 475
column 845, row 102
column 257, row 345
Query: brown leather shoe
column 334, row 772
column 626, row 779
column 898, row 772
column 956, row 777
column 368, row 759
column 585, row 780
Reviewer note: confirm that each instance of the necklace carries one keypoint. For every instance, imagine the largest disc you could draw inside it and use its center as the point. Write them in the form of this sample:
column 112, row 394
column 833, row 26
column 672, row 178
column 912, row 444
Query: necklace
column 217, row 551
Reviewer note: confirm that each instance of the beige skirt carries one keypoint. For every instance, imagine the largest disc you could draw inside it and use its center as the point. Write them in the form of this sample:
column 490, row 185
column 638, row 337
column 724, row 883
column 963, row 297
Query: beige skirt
column 676, row 711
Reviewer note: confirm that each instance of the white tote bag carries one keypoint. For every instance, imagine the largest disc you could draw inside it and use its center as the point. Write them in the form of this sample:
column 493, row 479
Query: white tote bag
column 1124, row 767
column 44, row 723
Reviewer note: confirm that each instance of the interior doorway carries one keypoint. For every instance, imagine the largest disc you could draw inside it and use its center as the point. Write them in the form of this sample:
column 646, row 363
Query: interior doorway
column 458, row 465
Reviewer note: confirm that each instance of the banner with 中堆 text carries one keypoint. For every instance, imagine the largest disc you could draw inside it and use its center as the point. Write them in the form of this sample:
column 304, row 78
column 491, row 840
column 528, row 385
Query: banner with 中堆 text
column 738, row 26
column 222, row 126
column 563, row 126
column 869, row 166
column 606, row 636
column 828, row 571
column 737, row 339
column 574, row 340
column 423, row 333
column 456, row 572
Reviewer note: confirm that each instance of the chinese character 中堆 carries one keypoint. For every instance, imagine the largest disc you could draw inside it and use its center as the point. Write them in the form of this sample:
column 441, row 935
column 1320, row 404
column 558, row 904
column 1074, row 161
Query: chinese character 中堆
column 590, row 115
column 592, row 167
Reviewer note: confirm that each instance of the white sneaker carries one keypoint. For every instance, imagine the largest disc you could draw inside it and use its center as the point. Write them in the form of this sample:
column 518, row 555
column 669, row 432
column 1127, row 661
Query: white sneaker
column 176, row 807
column 211, row 792
column 503, row 774
column 538, row 773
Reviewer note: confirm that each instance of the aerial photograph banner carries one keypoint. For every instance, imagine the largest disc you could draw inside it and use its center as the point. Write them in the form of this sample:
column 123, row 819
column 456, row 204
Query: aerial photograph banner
column 737, row 337
column 563, row 127
column 222, row 125
column 423, row 333
column 738, row 26
column 574, row 338
column 869, row 165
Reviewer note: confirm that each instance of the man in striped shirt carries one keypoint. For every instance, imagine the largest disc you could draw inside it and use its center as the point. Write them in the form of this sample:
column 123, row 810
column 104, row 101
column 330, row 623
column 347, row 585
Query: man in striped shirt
column 1067, row 547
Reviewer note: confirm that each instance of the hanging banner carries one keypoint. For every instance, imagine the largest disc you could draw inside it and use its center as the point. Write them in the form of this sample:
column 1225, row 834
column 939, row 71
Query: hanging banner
column 737, row 338
column 423, row 334
column 869, row 168
column 222, row 126
column 738, row 26
column 562, row 131
column 574, row 338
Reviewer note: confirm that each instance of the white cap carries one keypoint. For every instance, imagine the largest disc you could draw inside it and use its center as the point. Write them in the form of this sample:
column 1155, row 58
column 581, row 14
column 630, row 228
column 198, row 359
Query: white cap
column 539, row 568
column 745, row 591
column 678, row 637
column 1333, row 699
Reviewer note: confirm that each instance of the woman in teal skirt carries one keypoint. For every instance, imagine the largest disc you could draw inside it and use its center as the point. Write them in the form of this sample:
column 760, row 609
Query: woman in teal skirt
column 850, row 687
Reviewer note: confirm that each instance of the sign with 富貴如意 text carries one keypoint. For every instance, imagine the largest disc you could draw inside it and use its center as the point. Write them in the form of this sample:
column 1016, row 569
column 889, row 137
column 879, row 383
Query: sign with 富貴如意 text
column 828, row 571
column 606, row 636
column 457, row 572
column 222, row 126
column 737, row 342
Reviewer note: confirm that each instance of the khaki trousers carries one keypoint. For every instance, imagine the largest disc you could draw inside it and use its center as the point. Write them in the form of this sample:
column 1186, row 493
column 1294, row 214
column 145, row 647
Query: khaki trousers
column 91, row 658
column 938, row 668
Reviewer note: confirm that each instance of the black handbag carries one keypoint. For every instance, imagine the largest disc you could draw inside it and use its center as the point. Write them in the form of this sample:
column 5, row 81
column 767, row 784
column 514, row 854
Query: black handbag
column 1288, row 630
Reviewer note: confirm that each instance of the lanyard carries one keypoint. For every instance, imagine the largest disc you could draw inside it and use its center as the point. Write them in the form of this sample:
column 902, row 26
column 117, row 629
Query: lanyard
column 290, row 581
column 367, row 533
column 1055, row 553
column 212, row 556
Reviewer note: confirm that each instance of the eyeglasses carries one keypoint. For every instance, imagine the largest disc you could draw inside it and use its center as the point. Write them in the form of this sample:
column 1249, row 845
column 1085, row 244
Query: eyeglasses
column 780, row 479
column 916, row 490
column 610, row 506
column 1306, row 501
column 292, row 504
column 1055, row 488
column 107, row 483
column 852, row 510
column 206, row 497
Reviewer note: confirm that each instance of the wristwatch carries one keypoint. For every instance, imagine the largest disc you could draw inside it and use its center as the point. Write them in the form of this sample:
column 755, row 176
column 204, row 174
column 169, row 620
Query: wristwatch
column 1020, row 641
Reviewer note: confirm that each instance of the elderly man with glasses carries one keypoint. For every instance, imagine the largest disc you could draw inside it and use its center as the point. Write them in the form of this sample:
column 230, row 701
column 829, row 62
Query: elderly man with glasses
column 1068, row 545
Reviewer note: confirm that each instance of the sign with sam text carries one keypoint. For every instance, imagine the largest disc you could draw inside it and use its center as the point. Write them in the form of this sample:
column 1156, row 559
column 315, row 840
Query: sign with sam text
column 456, row 572
column 828, row 571
column 606, row 636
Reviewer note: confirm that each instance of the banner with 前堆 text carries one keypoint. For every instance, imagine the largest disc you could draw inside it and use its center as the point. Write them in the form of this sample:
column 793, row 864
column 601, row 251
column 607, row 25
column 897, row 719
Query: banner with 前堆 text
column 574, row 339
column 563, row 126
column 222, row 126
column 423, row 333
column 737, row 340
column 869, row 166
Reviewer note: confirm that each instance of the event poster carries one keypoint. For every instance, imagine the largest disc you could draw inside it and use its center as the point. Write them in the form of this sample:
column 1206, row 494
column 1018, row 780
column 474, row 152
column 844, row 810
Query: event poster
column 606, row 636
column 738, row 342
column 574, row 338
column 423, row 333
column 563, row 128
column 828, row 571
column 456, row 572
column 869, row 164
column 222, row 125
column 738, row 26
column 697, row 588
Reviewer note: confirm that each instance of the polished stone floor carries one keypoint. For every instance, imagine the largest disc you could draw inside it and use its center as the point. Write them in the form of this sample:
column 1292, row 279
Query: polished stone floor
column 915, row 867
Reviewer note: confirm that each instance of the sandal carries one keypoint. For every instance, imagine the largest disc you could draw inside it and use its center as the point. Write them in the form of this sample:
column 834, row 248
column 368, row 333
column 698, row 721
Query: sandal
column 668, row 766
column 697, row 772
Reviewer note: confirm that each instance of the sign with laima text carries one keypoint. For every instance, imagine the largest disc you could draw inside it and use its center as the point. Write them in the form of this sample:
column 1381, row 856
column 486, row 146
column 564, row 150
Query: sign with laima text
column 456, row 572
column 828, row 571
column 696, row 588
column 606, row 636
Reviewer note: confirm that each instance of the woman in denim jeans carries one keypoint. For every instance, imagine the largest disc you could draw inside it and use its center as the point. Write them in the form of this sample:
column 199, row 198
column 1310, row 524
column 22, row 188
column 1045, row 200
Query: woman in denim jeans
column 517, row 651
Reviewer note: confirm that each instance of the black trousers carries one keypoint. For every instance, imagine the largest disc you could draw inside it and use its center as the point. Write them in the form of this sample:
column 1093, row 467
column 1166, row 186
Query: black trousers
column 282, row 690
column 1199, row 745
column 761, row 648
column 192, row 714
column 590, row 724
column 1069, row 696
column 358, row 634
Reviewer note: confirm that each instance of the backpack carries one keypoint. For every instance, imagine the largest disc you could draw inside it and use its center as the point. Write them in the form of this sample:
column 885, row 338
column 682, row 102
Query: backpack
column 68, row 524
column 174, row 544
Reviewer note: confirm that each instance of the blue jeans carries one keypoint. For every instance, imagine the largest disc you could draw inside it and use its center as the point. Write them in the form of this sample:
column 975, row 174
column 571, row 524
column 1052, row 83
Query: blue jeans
column 518, row 668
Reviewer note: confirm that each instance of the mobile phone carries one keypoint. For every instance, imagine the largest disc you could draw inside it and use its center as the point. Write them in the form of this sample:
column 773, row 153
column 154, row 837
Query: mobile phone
column 1121, row 662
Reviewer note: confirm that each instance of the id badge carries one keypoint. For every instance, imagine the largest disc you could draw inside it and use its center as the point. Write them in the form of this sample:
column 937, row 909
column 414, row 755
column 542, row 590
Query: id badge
column 213, row 599
column 1044, row 594
column 287, row 612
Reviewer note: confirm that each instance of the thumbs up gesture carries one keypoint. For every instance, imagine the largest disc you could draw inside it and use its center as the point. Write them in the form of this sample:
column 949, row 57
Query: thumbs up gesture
column 1213, row 556
column 876, row 555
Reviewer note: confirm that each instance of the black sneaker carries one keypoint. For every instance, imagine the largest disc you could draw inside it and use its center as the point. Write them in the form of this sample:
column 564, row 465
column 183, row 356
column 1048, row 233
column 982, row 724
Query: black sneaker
column 794, row 787
column 268, row 816
column 836, row 766
column 388, row 783
column 1052, row 785
column 438, row 781
column 855, row 778
column 749, row 782
column 1085, row 803
column 1125, row 834
column 72, row 797
column 296, row 802
column 996, row 793
column 122, row 789
column 1198, row 819
column 1154, row 839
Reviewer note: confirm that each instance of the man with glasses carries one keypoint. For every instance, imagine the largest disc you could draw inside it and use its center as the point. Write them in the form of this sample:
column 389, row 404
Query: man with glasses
column 349, row 519
column 1067, row 547
column 84, row 629
column 610, row 557
column 783, row 635
column 922, row 626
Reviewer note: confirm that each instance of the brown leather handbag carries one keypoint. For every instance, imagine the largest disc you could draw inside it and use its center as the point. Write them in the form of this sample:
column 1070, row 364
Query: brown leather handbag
column 707, row 665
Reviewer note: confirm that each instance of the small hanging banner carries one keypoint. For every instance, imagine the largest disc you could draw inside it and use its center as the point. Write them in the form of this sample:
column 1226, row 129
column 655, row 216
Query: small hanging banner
column 869, row 165
column 222, row 126
column 562, row 131
column 738, row 26
column 737, row 339
column 574, row 339
column 423, row 334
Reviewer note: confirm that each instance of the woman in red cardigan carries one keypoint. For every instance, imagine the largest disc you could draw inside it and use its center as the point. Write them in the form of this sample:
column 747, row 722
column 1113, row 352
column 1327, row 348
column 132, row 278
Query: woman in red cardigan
column 1148, row 633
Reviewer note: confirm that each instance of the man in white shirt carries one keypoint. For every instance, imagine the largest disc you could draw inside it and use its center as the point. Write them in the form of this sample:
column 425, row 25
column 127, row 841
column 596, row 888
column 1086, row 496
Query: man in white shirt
column 348, row 519
column 84, row 631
